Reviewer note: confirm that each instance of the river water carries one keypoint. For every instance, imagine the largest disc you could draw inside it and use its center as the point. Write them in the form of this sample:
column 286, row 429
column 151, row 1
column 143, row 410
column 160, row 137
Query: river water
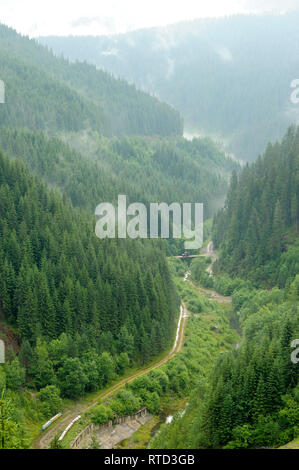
column 167, row 419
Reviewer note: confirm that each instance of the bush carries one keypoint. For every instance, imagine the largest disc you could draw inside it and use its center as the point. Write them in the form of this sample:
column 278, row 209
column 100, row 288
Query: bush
column 102, row 414
column 50, row 401
column 125, row 403
column 15, row 374
column 72, row 379
column 152, row 402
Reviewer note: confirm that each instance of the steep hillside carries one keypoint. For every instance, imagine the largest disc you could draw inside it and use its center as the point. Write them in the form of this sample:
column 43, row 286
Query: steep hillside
column 85, row 310
column 48, row 93
column 229, row 77
column 147, row 170
column 251, row 399
column 257, row 231
column 57, row 277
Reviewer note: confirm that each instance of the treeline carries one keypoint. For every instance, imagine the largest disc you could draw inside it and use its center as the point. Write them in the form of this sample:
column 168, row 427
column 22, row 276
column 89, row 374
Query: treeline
column 49, row 93
column 257, row 229
column 57, row 277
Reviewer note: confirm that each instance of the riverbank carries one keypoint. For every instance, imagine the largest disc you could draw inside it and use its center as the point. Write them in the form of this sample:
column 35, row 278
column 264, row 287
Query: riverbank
column 141, row 438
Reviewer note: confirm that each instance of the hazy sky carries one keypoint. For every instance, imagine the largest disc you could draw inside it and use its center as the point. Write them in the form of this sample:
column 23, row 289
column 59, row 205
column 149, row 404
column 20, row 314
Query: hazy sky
column 81, row 17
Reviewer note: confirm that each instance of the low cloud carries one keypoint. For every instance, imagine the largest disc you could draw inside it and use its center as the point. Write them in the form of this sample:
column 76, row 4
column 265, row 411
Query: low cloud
column 111, row 52
column 92, row 17
column 224, row 54
column 105, row 25
column 170, row 68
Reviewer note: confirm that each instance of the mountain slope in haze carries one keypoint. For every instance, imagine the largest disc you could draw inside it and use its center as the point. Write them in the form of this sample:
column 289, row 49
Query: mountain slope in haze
column 229, row 77
column 48, row 93
column 257, row 231
column 251, row 400
column 90, row 170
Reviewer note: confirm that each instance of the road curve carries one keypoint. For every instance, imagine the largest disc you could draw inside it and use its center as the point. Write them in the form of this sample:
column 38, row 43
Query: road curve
column 211, row 294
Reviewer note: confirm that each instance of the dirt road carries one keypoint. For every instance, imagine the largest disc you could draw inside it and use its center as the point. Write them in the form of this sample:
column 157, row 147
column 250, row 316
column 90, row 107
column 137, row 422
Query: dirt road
column 210, row 293
column 45, row 438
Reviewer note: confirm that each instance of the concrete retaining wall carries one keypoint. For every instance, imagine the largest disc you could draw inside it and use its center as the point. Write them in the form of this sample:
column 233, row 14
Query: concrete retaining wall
column 117, row 420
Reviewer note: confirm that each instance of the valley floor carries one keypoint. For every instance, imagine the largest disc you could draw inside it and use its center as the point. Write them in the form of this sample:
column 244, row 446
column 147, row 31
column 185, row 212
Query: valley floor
column 142, row 437
column 45, row 438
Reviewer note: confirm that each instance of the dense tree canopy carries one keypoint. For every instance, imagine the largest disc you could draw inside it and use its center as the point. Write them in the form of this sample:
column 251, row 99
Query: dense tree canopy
column 51, row 94
column 257, row 229
column 57, row 277
column 251, row 399
column 229, row 77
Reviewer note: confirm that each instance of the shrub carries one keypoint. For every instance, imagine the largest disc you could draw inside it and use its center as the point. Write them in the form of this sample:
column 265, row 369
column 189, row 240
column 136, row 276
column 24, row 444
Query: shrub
column 50, row 401
column 102, row 414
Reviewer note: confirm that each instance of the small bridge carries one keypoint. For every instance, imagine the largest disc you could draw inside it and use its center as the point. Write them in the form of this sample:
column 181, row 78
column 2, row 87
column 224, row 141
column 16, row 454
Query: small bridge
column 188, row 256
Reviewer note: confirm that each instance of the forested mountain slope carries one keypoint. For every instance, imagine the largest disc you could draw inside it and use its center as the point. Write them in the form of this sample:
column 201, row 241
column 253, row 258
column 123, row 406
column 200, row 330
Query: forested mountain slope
column 48, row 93
column 61, row 287
column 84, row 310
column 230, row 77
column 146, row 170
column 257, row 230
column 57, row 277
column 251, row 399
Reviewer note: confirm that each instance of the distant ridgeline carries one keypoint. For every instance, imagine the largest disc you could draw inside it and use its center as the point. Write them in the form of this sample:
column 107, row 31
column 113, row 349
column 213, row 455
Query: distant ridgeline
column 222, row 74
column 48, row 93
column 257, row 231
